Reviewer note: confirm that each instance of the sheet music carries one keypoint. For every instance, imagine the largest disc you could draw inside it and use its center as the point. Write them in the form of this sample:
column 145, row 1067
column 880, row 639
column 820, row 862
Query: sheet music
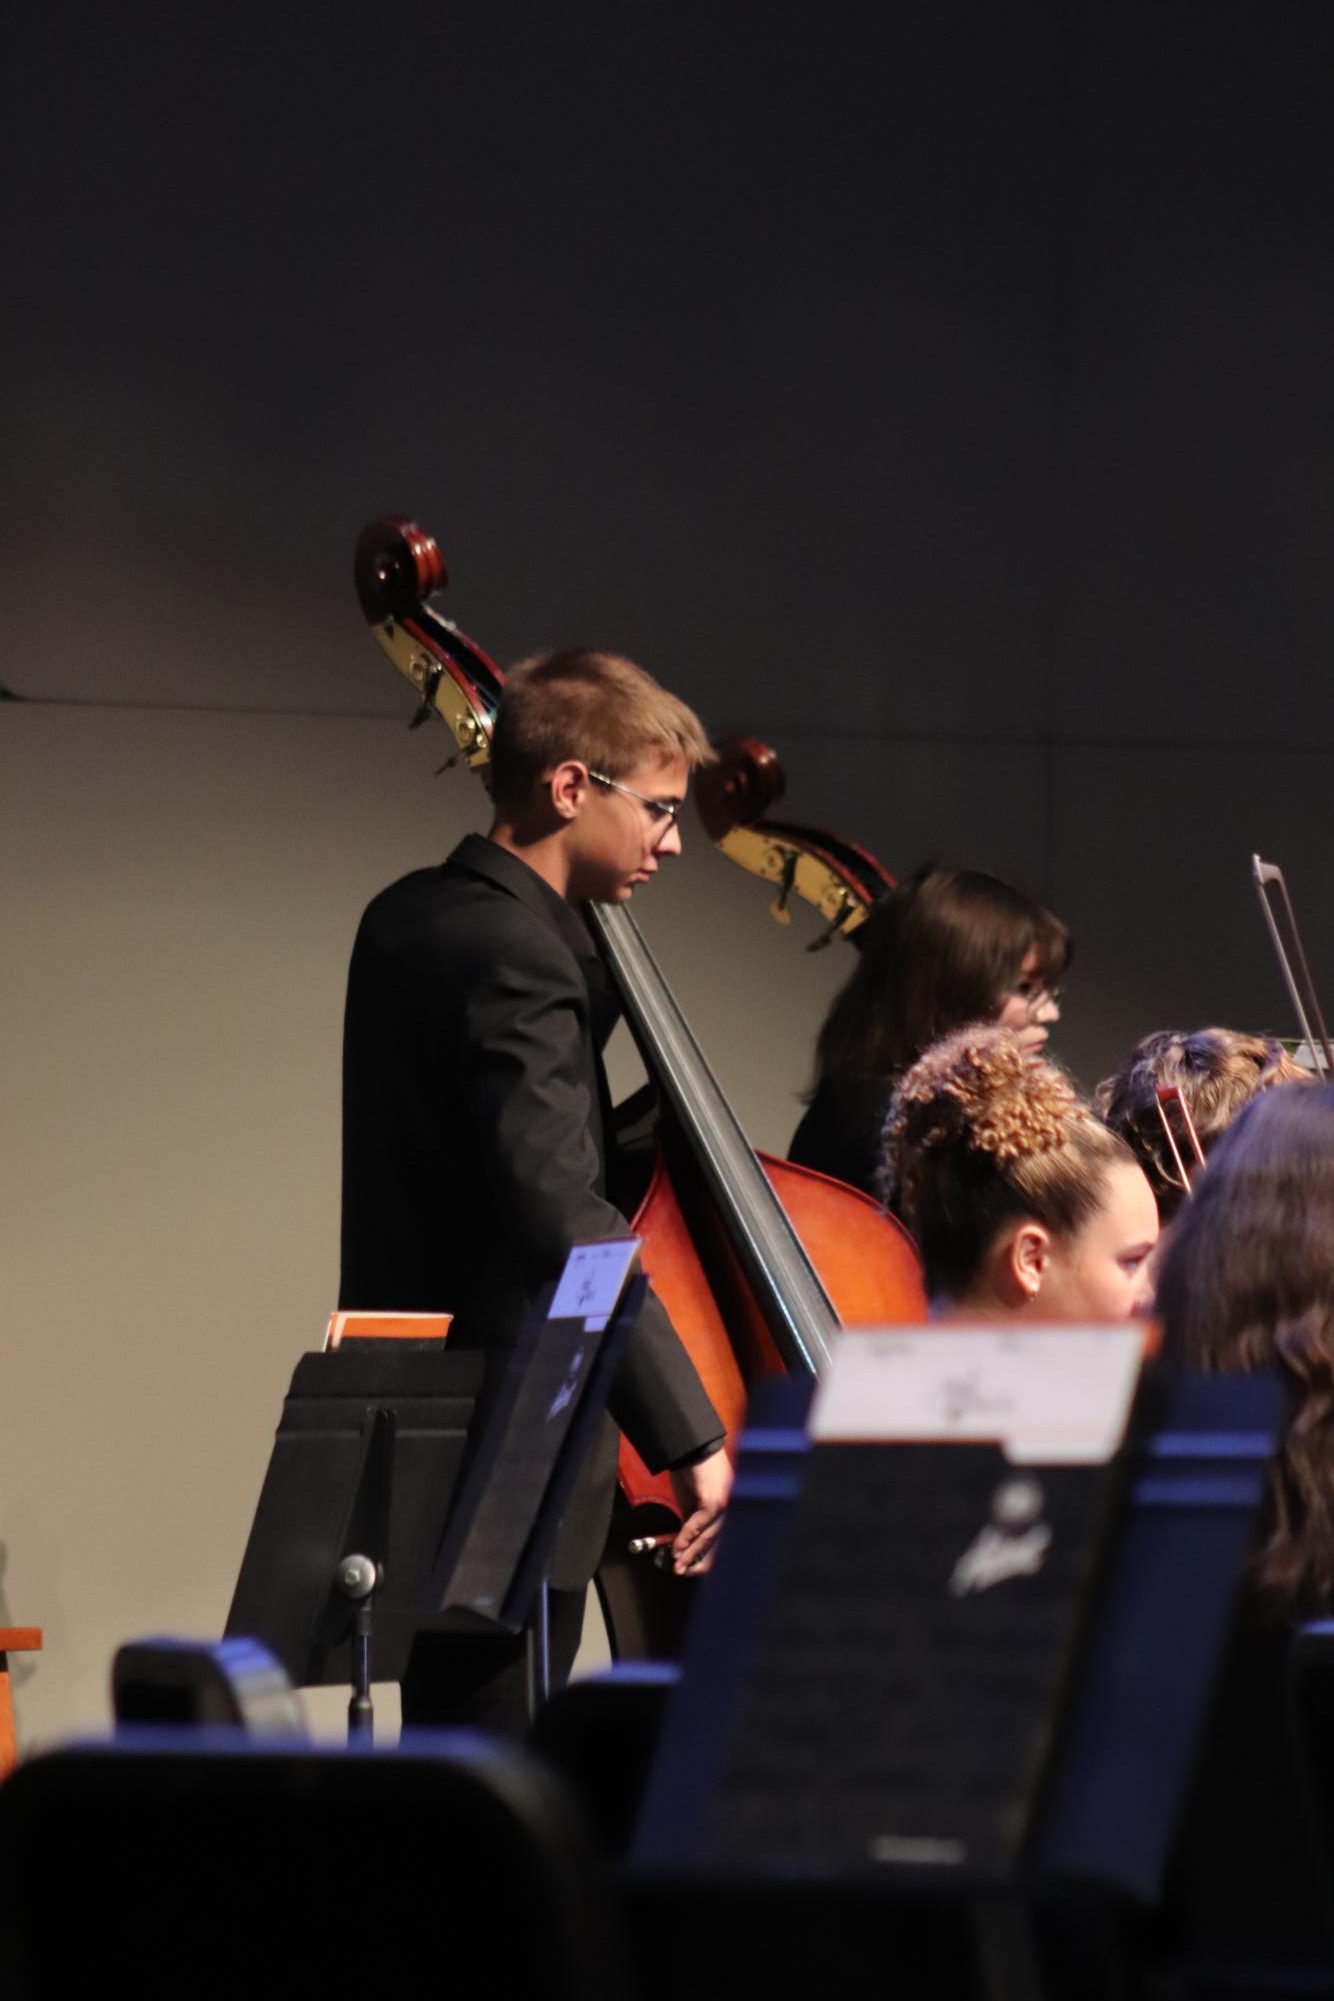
column 1052, row 1394
column 593, row 1280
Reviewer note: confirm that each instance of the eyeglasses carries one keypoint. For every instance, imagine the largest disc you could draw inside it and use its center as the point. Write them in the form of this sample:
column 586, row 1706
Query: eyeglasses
column 666, row 810
column 1036, row 995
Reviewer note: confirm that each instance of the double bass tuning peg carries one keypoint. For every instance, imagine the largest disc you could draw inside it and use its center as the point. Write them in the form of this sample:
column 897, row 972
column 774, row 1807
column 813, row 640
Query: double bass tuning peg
column 847, row 905
column 432, row 675
column 778, row 909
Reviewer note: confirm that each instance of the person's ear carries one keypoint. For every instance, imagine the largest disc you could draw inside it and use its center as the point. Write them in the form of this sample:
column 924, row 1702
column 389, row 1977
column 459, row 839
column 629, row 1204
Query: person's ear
column 1028, row 1260
column 568, row 787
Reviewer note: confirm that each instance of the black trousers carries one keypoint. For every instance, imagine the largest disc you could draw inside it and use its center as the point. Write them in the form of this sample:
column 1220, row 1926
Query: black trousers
column 453, row 1681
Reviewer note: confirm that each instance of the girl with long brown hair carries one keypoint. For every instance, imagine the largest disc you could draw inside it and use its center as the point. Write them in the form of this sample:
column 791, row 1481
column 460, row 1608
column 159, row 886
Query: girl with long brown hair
column 1247, row 1283
column 946, row 947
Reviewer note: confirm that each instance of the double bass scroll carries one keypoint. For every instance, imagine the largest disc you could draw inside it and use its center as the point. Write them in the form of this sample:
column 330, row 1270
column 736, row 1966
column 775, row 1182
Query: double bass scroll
column 840, row 879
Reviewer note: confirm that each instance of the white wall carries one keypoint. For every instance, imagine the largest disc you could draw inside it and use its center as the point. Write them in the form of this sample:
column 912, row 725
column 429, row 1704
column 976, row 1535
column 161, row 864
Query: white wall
column 178, row 896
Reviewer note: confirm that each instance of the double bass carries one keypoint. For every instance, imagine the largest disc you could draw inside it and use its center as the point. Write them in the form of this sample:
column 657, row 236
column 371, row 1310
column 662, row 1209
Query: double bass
column 757, row 1262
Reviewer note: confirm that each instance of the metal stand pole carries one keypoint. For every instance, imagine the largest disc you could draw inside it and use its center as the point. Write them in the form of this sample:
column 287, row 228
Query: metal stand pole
column 358, row 1579
column 538, row 1648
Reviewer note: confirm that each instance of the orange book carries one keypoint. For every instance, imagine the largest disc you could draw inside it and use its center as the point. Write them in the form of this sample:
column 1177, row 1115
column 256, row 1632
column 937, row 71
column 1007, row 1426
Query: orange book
column 360, row 1326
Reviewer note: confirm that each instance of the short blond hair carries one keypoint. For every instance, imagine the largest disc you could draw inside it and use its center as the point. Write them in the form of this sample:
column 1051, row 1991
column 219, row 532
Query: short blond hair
column 598, row 707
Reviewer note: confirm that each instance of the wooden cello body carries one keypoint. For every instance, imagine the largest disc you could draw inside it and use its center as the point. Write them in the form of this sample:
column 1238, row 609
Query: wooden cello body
column 758, row 1262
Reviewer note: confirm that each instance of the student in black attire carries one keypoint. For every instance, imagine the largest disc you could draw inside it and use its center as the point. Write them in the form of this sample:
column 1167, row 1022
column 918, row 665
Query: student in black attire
column 946, row 948
column 476, row 1120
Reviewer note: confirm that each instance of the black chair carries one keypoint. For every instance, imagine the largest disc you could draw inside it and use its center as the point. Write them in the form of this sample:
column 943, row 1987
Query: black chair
column 212, row 1865
column 1246, row 1909
column 210, row 1683
column 1310, row 1690
column 601, row 1734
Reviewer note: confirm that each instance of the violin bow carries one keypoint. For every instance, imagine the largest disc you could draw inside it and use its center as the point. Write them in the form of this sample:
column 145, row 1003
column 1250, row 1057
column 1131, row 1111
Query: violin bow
column 1268, row 876
column 1173, row 1095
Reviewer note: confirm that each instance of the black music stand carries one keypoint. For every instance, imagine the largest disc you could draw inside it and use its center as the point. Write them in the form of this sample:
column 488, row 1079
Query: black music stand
column 490, row 1573
column 387, row 1508
column 364, row 1463
column 926, row 1779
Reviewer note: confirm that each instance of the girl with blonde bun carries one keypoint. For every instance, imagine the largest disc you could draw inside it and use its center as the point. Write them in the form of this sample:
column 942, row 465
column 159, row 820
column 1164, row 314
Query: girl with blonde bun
column 1022, row 1201
column 1217, row 1071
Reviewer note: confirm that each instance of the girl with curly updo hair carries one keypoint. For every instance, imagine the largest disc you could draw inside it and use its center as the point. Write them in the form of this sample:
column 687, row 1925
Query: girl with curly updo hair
column 1021, row 1200
column 1217, row 1071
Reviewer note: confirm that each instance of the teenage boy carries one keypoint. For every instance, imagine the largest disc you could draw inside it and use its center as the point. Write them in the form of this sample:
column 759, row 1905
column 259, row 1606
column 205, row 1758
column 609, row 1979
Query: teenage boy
column 476, row 1116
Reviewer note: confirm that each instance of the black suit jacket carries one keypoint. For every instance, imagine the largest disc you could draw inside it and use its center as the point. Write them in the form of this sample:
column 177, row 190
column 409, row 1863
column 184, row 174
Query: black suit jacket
column 475, row 1140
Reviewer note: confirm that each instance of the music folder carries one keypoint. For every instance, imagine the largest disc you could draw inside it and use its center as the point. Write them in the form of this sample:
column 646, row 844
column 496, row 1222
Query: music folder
column 896, row 1698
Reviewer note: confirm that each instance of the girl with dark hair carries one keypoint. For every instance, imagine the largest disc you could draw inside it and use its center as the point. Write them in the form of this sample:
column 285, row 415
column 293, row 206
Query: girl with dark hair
column 1021, row 1200
column 946, row 947
column 1247, row 1283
